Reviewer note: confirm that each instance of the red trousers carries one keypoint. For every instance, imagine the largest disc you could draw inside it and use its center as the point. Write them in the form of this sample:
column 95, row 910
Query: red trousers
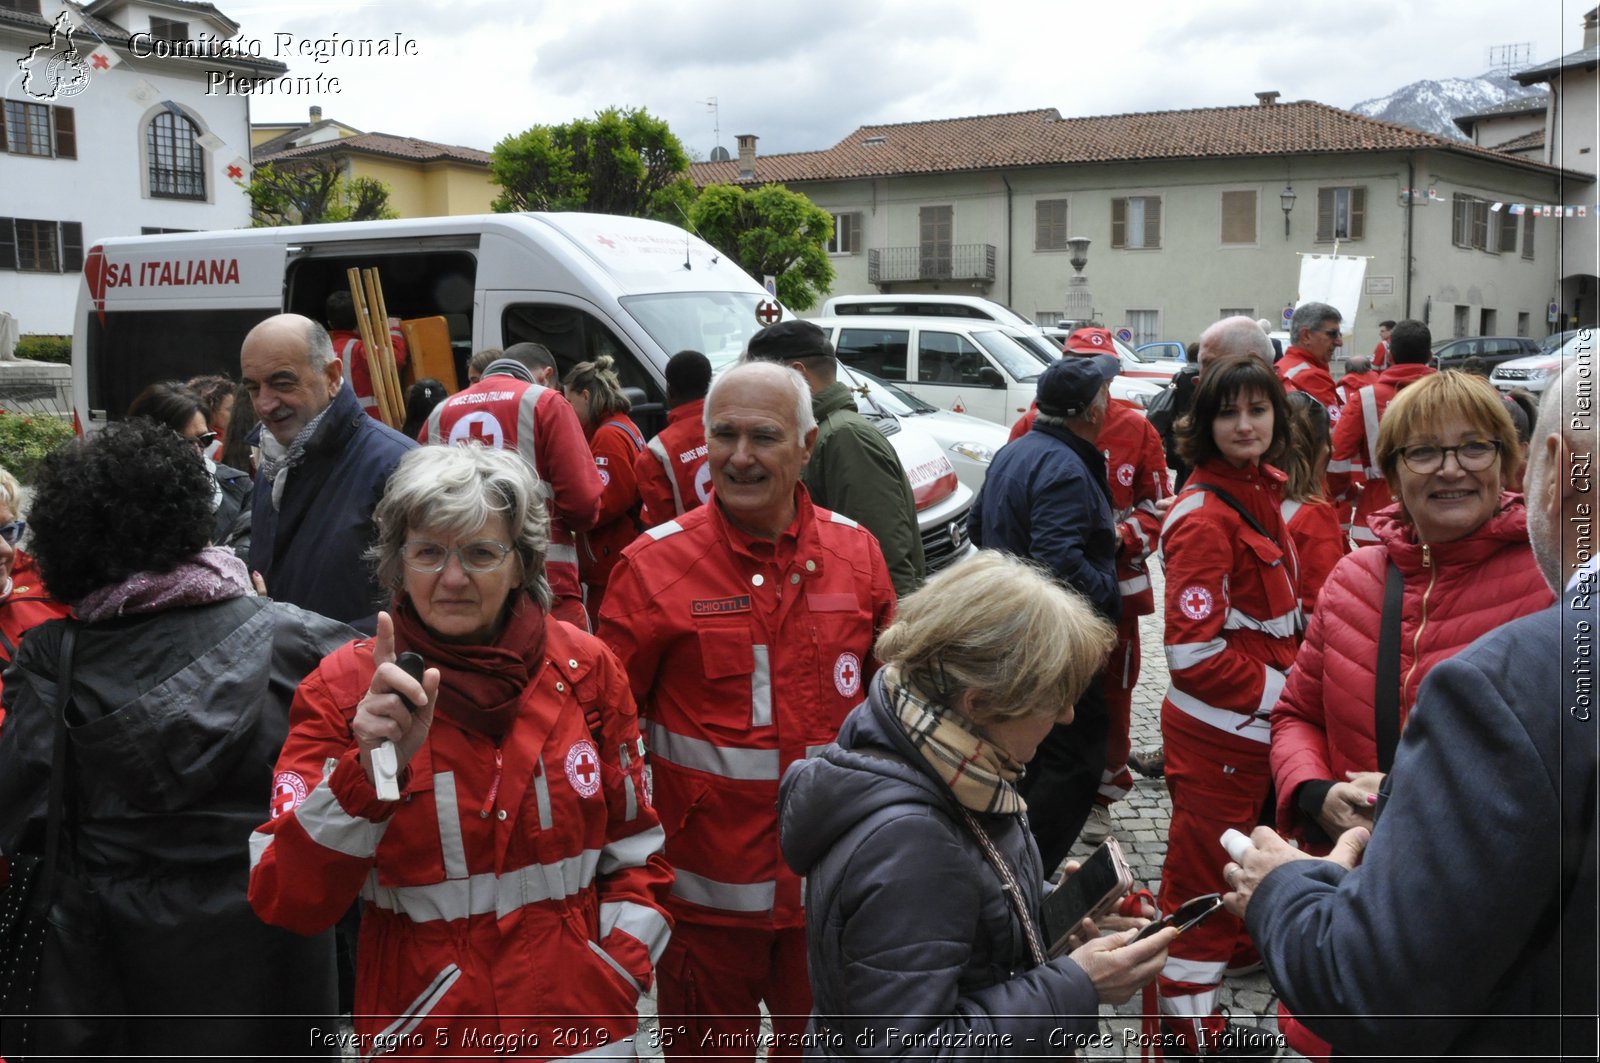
column 711, row 982
column 1121, row 675
column 1217, row 781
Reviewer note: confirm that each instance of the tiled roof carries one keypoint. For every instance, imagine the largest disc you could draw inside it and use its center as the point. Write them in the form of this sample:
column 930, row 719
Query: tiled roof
column 92, row 30
column 382, row 144
column 293, row 132
column 1526, row 142
column 1546, row 71
column 1536, row 104
column 1043, row 138
column 100, row 7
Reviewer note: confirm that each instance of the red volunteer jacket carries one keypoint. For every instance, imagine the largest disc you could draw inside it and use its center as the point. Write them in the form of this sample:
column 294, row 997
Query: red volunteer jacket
column 347, row 345
column 616, row 445
column 24, row 605
column 745, row 656
column 1453, row 593
column 1380, row 356
column 1232, row 609
column 525, row 880
column 1300, row 372
column 1319, row 543
column 539, row 424
column 1136, row 470
column 1351, row 383
column 674, row 476
column 1354, row 477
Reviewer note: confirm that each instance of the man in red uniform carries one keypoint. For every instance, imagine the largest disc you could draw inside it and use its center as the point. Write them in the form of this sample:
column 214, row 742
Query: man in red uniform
column 1380, row 353
column 746, row 628
column 508, row 411
column 672, row 471
column 1354, row 478
column 339, row 310
column 1313, row 337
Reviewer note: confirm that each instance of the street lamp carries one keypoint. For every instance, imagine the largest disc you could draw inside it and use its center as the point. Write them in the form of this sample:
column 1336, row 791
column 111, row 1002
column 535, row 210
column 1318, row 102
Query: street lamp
column 1286, row 200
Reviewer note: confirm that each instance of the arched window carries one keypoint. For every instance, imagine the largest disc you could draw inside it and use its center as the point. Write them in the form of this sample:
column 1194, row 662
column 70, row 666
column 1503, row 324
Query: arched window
column 177, row 162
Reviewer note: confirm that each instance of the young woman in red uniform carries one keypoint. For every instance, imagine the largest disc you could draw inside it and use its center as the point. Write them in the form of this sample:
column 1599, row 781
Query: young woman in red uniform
column 1232, row 626
column 596, row 395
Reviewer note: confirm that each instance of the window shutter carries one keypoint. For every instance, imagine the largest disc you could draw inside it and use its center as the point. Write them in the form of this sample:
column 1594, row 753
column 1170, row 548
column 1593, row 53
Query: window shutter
column 1152, row 221
column 1119, row 223
column 8, row 244
column 853, row 228
column 72, row 247
column 1358, row 213
column 1461, row 206
column 5, row 144
column 66, row 132
column 1238, row 217
column 1507, row 239
column 1325, row 215
column 1527, row 236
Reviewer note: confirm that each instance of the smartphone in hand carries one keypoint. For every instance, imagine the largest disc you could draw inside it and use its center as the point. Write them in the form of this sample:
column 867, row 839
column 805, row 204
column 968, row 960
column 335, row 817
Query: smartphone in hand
column 1089, row 893
column 1190, row 913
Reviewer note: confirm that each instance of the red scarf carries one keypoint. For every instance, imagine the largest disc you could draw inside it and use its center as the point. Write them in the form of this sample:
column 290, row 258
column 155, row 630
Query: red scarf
column 480, row 686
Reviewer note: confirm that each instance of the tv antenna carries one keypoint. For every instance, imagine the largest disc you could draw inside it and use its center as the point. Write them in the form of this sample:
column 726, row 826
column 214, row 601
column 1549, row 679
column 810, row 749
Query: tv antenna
column 1507, row 59
column 716, row 125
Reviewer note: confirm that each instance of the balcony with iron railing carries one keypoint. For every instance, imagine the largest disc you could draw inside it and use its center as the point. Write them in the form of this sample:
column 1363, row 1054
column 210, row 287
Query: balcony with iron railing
column 931, row 262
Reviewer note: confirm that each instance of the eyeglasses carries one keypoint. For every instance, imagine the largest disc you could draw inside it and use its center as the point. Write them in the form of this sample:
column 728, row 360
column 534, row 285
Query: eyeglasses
column 1474, row 455
column 425, row 555
column 1331, row 333
column 12, row 533
column 203, row 440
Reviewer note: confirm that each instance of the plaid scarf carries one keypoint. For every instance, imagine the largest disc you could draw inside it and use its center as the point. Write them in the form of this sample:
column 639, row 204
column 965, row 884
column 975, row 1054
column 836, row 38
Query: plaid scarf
column 277, row 460
column 981, row 775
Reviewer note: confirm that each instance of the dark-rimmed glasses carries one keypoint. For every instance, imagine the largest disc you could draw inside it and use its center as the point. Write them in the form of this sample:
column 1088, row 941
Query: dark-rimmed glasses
column 12, row 533
column 1474, row 455
column 425, row 555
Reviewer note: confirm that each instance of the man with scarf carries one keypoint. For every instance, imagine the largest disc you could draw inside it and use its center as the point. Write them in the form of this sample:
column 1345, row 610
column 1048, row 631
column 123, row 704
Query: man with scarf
column 323, row 466
column 1046, row 498
column 746, row 628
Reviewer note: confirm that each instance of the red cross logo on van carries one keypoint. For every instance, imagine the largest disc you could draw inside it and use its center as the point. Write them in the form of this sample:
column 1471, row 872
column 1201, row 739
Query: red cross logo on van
column 768, row 312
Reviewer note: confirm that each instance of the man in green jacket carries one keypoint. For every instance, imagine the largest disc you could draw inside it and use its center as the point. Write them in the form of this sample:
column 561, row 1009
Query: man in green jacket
column 853, row 470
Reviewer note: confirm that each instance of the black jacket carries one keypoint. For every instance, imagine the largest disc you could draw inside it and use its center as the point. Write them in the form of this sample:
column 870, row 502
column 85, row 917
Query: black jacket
column 910, row 936
column 174, row 725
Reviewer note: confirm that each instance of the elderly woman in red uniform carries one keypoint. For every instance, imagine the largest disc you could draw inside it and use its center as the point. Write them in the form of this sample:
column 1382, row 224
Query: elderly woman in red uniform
column 513, row 892
column 1232, row 621
column 602, row 408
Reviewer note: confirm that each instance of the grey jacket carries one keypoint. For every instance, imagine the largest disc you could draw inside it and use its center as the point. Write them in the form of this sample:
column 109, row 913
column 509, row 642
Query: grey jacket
column 914, row 949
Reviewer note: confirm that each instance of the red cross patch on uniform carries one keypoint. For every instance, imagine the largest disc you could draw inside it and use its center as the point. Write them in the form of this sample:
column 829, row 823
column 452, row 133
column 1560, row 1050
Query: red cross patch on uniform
column 1195, row 603
column 847, row 675
column 288, row 791
column 1125, row 475
column 479, row 427
column 583, row 768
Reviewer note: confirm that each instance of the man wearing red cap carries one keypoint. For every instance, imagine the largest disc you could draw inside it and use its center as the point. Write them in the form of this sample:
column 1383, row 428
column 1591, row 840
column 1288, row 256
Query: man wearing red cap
column 1136, row 473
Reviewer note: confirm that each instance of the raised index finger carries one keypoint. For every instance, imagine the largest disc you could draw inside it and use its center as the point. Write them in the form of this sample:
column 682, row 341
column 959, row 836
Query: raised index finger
column 383, row 639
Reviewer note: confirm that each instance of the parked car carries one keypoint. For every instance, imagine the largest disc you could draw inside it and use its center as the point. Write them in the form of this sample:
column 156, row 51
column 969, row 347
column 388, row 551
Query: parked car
column 1138, row 364
column 1534, row 372
column 1162, row 350
column 970, row 443
column 1489, row 351
column 1558, row 340
column 968, row 306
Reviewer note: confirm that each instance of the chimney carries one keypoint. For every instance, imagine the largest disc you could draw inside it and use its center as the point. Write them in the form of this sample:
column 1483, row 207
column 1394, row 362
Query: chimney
column 1591, row 28
column 1266, row 99
column 316, row 115
column 747, row 156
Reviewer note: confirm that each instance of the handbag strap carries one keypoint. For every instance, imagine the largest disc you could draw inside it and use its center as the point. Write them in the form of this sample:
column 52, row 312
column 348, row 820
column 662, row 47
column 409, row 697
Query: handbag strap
column 1234, row 504
column 58, row 761
column 1386, row 681
column 1009, row 881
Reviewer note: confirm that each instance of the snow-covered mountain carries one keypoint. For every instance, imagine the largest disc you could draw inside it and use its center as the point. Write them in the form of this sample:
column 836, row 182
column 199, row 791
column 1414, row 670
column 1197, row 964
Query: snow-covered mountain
column 1431, row 105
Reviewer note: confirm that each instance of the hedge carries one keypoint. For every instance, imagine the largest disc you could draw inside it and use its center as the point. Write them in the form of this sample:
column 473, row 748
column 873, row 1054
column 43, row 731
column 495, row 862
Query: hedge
column 25, row 440
column 56, row 349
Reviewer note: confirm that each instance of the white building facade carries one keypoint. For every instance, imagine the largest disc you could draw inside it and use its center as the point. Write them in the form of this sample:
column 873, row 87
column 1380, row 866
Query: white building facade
column 106, row 133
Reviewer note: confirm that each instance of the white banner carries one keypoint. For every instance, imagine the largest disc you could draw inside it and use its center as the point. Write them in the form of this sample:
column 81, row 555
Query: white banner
column 1335, row 280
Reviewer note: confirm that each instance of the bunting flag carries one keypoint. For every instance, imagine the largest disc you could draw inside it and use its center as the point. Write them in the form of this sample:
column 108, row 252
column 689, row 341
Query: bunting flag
column 237, row 171
column 103, row 58
column 1537, row 210
column 211, row 142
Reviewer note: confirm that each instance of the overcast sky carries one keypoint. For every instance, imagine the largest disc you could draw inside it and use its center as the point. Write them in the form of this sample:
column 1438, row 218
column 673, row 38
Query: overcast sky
column 803, row 75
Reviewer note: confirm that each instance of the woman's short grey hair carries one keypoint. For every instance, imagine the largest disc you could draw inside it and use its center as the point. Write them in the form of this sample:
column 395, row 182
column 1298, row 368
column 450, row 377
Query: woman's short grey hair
column 453, row 491
column 804, row 419
column 1004, row 630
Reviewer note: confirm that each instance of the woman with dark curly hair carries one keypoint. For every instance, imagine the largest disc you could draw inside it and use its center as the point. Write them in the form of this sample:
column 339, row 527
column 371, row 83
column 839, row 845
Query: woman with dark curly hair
column 181, row 409
column 178, row 685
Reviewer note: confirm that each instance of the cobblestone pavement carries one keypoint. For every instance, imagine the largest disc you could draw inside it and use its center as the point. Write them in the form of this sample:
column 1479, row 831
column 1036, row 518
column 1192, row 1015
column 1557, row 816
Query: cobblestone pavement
column 1140, row 826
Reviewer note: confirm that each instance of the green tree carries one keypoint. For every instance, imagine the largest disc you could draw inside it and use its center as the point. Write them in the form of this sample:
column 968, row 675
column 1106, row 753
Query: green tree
column 314, row 191
column 769, row 230
column 619, row 162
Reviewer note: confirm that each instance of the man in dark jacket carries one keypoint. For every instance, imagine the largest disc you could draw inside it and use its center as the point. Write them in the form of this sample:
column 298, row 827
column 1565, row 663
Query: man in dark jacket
column 324, row 464
column 853, row 469
column 1046, row 498
column 1483, row 859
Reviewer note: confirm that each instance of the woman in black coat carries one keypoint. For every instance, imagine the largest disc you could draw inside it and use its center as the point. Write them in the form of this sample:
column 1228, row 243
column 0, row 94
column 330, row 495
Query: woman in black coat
column 181, row 680
column 916, row 945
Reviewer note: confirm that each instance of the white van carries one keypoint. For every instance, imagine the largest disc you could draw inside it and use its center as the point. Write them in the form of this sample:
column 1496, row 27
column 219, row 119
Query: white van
column 914, row 305
column 171, row 307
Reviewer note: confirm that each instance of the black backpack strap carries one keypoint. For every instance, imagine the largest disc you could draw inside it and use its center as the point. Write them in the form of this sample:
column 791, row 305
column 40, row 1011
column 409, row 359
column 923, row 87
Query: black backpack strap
column 1386, row 681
